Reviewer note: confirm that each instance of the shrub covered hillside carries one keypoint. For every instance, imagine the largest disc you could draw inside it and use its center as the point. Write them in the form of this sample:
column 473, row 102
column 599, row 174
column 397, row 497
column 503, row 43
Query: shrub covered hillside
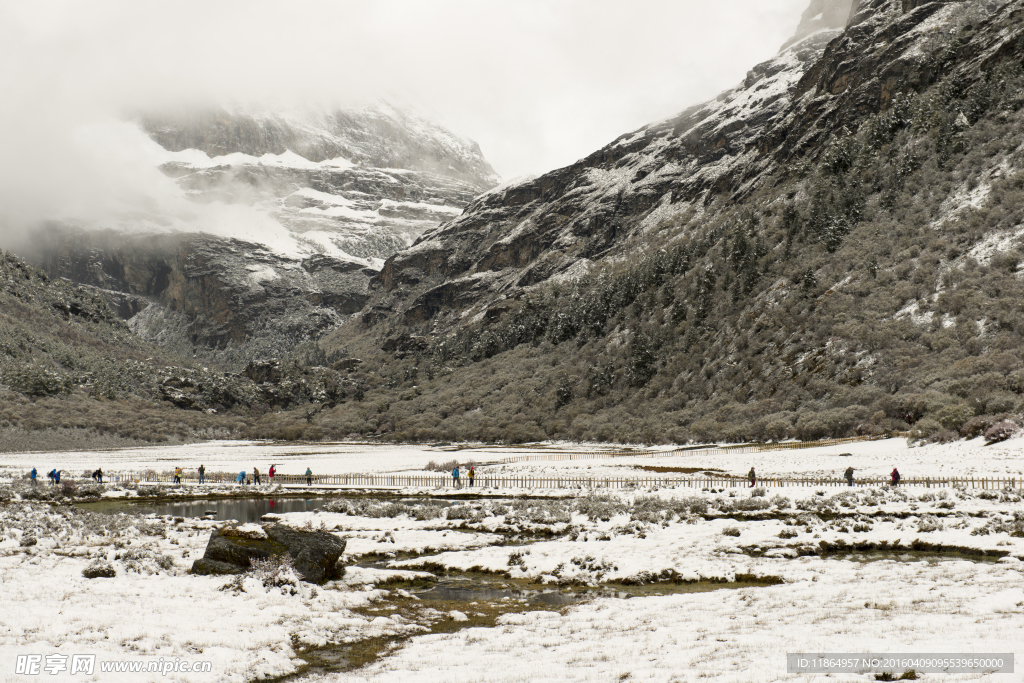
column 72, row 375
column 871, row 284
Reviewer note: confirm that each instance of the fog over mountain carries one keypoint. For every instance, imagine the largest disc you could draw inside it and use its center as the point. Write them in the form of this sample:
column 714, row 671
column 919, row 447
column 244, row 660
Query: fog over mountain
column 536, row 85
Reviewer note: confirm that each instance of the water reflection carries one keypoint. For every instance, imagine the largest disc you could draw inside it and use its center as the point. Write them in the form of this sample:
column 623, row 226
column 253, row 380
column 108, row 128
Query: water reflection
column 450, row 592
column 242, row 509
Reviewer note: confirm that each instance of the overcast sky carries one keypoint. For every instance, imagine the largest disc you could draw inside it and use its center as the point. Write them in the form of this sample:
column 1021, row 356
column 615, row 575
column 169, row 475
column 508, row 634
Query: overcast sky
column 538, row 83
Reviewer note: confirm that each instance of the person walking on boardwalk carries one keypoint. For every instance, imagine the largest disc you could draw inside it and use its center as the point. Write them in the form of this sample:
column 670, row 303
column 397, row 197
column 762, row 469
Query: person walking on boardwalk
column 309, row 477
column 98, row 475
column 177, row 475
column 848, row 474
column 472, row 475
column 895, row 476
column 455, row 477
column 240, row 478
column 270, row 473
column 752, row 476
column 202, row 474
column 255, row 476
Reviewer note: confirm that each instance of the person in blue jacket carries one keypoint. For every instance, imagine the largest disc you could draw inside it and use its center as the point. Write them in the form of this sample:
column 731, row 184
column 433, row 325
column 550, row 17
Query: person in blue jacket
column 241, row 477
column 455, row 477
column 32, row 476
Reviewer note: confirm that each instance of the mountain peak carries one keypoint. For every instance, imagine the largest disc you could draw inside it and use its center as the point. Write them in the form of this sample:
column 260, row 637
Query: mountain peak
column 821, row 15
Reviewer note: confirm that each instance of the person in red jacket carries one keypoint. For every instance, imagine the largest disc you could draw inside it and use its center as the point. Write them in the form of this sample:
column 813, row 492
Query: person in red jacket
column 895, row 476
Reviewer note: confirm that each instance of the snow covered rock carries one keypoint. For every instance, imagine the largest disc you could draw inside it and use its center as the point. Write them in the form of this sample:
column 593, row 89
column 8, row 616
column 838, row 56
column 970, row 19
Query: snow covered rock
column 314, row 554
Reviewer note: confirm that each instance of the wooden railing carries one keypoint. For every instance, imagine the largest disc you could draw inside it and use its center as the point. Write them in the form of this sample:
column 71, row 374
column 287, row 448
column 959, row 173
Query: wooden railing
column 489, row 481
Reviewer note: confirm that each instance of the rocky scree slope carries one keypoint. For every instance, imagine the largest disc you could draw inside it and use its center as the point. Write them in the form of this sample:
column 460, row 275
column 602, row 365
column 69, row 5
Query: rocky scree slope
column 833, row 247
column 349, row 188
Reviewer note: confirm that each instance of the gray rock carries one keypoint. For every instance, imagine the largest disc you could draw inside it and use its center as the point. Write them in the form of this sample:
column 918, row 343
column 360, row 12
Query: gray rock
column 315, row 554
column 29, row 540
column 205, row 567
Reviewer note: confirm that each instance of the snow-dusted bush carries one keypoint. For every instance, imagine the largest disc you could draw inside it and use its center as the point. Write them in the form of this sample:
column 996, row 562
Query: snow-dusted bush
column 731, row 531
column 759, row 492
column 368, row 507
column 517, row 558
column 928, row 523
column 648, row 509
column 751, row 504
column 548, row 512
column 600, row 506
column 468, row 512
column 144, row 560
column 277, row 572
column 781, row 502
column 1001, row 431
column 99, row 569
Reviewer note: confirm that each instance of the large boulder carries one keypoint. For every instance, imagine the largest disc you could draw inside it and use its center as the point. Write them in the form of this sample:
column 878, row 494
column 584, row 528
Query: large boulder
column 231, row 550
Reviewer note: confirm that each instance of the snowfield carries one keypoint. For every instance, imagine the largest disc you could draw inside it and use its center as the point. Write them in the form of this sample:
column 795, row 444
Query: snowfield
column 712, row 583
column 868, row 458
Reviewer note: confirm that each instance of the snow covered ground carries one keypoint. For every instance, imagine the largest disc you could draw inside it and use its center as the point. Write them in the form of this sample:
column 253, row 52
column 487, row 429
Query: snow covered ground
column 864, row 570
column 868, row 458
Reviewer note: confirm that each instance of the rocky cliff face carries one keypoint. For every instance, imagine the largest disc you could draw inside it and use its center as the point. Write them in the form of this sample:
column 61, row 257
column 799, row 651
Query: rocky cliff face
column 651, row 184
column 346, row 188
column 220, row 290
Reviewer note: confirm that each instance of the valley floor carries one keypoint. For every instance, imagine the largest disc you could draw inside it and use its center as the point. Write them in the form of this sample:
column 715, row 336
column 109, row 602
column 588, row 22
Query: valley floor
column 800, row 569
column 871, row 459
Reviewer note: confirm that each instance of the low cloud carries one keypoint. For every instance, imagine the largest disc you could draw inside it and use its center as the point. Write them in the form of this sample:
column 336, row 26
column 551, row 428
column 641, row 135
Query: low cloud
column 537, row 83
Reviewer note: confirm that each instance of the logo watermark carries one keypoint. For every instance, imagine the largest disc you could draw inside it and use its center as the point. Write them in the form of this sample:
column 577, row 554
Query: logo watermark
column 87, row 665
column 869, row 662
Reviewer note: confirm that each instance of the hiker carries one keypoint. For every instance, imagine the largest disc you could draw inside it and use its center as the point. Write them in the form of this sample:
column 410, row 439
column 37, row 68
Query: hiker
column 202, row 474
column 309, row 477
column 177, row 475
column 50, row 475
column 240, row 478
column 97, row 476
column 472, row 475
column 752, row 477
column 895, row 476
column 56, row 476
column 270, row 473
column 848, row 474
column 32, row 476
column 256, row 476
column 455, row 477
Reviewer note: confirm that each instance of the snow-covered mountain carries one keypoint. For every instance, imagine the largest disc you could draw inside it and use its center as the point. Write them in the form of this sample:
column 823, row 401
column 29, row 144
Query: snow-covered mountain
column 847, row 60
column 274, row 221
